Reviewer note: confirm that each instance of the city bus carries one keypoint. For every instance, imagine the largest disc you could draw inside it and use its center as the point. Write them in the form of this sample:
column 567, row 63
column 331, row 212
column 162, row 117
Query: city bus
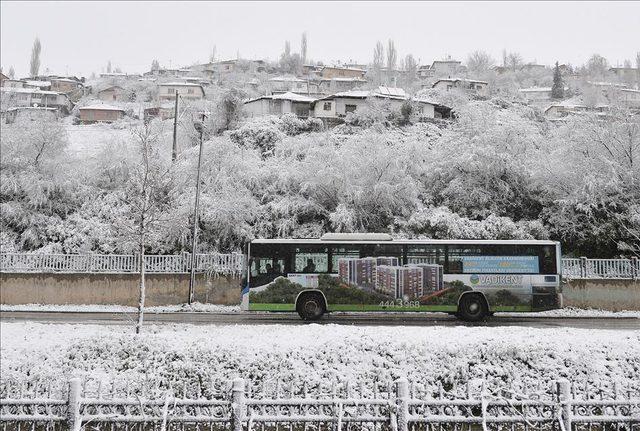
column 471, row 279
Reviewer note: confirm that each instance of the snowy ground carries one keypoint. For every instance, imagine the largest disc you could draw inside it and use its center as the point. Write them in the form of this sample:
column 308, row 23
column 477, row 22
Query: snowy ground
column 318, row 354
column 214, row 308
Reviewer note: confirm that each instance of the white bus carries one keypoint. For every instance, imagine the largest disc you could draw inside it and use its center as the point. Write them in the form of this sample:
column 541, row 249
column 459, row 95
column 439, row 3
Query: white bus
column 374, row 272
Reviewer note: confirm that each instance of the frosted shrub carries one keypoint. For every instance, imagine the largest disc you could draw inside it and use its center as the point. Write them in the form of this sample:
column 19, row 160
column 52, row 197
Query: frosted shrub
column 261, row 135
column 442, row 223
column 293, row 125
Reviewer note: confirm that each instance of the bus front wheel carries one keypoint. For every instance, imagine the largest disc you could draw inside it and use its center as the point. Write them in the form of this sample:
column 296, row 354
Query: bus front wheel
column 311, row 306
column 472, row 308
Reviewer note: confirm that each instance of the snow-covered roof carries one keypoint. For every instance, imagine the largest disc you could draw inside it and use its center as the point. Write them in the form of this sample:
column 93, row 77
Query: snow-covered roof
column 177, row 84
column 352, row 79
column 31, row 108
column 294, row 97
column 30, row 90
column 353, row 94
column 394, row 92
column 472, row 81
column 111, row 87
column 355, row 69
column 102, row 107
column 629, row 90
column 285, row 78
column 535, row 89
column 34, row 83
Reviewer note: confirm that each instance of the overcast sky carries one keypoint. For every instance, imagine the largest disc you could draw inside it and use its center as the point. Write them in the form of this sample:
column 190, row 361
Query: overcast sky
column 80, row 37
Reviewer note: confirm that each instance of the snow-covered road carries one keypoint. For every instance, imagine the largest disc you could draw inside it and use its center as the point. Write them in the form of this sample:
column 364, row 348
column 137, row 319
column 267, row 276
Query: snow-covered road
column 601, row 320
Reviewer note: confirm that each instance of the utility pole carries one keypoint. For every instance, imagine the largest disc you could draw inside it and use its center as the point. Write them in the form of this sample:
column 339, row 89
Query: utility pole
column 174, row 150
column 194, row 245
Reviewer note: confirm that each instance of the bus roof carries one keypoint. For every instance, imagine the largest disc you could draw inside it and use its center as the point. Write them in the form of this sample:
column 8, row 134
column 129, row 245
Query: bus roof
column 402, row 241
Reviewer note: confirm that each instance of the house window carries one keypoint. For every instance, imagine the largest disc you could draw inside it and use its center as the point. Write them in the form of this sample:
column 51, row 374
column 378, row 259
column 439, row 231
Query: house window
column 190, row 91
column 171, row 90
column 349, row 108
column 449, row 87
column 326, row 106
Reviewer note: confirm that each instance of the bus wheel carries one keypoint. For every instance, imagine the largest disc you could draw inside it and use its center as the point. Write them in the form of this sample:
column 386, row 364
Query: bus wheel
column 472, row 308
column 311, row 306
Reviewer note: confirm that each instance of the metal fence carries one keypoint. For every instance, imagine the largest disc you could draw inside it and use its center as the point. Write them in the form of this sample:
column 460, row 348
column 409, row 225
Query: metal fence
column 239, row 406
column 219, row 263
column 233, row 264
column 601, row 268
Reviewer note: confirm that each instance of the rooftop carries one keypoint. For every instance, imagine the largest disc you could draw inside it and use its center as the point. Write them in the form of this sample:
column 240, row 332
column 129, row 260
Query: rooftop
column 183, row 84
column 102, row 107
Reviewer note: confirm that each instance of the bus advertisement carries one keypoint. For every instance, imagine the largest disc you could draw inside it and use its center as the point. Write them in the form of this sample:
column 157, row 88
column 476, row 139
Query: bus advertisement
column 374, row 272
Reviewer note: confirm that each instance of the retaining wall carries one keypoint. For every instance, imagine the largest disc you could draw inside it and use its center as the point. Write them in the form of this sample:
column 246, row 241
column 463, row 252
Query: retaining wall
column 119, row 289
column 169, row 289
column 613, row 295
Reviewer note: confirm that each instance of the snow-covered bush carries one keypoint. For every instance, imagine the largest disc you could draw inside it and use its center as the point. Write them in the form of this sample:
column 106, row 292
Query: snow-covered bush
column 441, row 223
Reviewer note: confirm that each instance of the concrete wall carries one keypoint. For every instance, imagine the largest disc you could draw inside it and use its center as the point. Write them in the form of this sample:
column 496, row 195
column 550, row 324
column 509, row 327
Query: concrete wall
column 120, row 289
column 166, row 289
column 613, row 295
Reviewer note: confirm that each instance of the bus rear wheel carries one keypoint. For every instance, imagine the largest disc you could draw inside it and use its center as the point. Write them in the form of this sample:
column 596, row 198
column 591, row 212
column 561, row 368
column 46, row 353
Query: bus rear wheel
column 472, row 308
column 311, row 306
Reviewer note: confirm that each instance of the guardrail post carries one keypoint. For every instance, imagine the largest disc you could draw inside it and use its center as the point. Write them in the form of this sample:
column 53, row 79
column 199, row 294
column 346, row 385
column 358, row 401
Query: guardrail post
column 74, row 420
column 564, row 400
column 583, row 267
column 238, row 405
column 635, row 268
column 402, row 404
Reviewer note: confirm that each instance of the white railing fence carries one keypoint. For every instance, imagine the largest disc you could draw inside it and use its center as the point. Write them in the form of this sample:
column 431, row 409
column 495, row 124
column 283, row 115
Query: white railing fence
column 233, row 263
column 228, row 264
column 238, row 406
column 601, row 268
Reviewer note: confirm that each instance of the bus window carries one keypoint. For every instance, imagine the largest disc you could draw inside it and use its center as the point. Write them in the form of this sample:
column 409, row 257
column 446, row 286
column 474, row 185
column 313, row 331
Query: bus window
column 346, row 251
column 425, row 253
column 384, row 250
column 310, row 259
column 457, row 253
column 267, row 262
column 546, row 256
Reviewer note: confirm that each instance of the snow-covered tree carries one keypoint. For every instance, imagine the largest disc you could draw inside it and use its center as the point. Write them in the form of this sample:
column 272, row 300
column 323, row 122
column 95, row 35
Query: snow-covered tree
column 34, row 65
column 303, row 48
column 148, row 197
column 557, row 89
column 479, row 62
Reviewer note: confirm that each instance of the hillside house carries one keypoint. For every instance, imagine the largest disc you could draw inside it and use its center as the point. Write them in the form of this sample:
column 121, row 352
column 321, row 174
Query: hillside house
column 472, row 86
column 13, row 83
column 65, row 85
column 163, row 111
column 279, row 104
column 560, row 110
column 37, row 84
column 629, row 97
column 284, row 84
column 100, row 114
column 536, row 94
column 329, row 72
column 186, row 90
column 336, row 85
column 31, row 112
column 24, row 97
column 115, row 93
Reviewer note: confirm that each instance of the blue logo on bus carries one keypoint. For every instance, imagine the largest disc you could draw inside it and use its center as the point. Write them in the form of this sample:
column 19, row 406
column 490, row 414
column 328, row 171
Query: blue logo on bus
column 474, row 279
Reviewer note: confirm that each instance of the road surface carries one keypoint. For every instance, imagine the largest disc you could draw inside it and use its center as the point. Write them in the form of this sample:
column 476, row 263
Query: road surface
column 355, row 319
